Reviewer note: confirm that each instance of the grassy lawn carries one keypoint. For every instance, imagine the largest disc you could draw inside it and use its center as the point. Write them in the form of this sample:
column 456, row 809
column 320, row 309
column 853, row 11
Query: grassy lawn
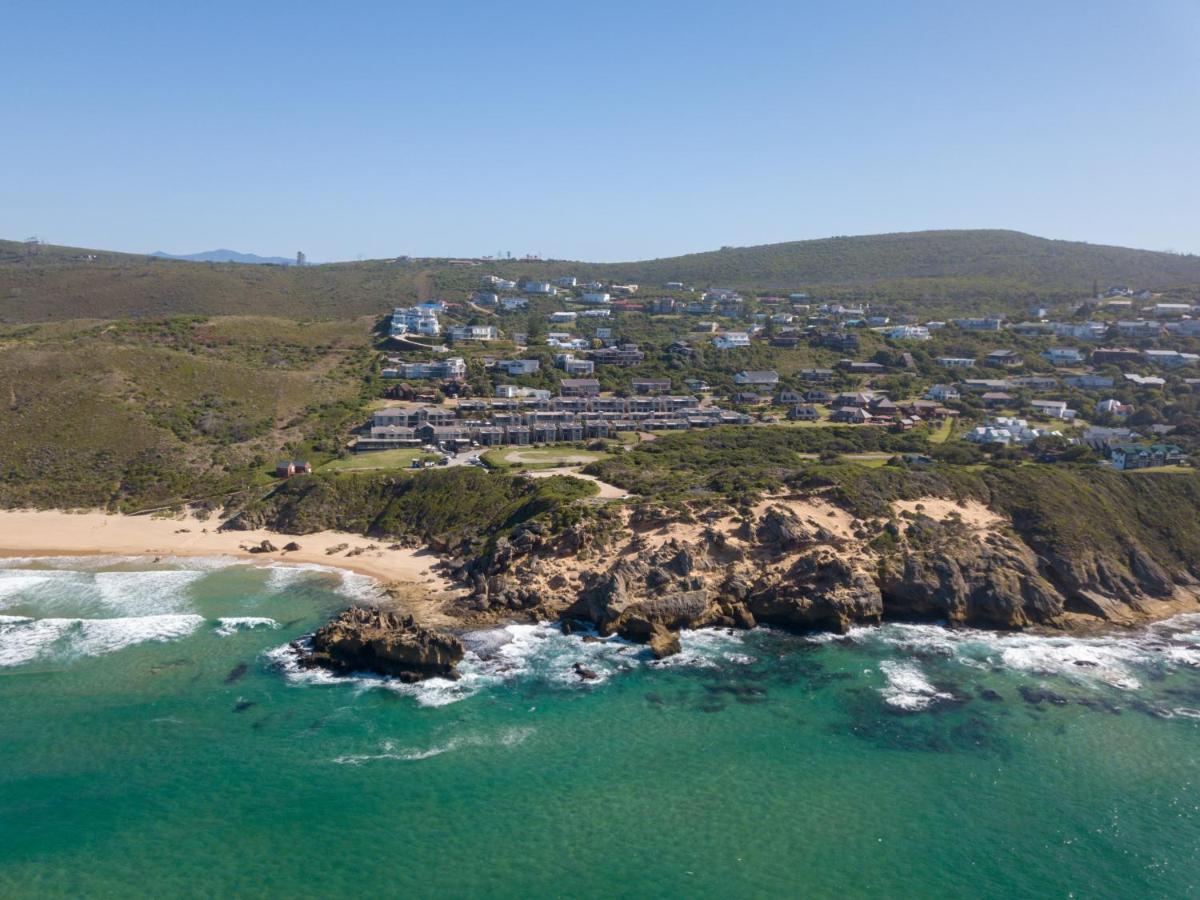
column 942, row 433
column 540, row 457
column 377, row 459
column 873, row 460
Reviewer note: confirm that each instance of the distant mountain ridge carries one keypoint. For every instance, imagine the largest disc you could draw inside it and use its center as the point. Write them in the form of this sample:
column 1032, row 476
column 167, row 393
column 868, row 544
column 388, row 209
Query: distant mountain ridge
column 228, row 256
column 54, row 283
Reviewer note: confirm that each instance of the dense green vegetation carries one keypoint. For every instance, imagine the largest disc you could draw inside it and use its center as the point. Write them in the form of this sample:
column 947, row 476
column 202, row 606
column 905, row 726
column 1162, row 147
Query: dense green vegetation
column 737, row 462
column 460, row 509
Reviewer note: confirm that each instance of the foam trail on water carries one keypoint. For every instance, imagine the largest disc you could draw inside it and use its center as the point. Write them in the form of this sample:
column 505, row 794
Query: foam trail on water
column 389, row 751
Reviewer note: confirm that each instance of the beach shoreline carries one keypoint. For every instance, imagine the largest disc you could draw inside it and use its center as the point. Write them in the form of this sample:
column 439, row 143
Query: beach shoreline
column 51, row 533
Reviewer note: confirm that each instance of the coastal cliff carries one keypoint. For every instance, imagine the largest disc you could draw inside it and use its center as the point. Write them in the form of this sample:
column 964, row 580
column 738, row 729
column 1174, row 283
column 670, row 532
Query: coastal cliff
column 1037, row 547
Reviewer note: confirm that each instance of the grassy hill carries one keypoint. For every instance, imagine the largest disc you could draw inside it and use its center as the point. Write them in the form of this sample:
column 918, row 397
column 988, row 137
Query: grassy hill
column 1002, row 256
column 68, row 283
column 138, row 414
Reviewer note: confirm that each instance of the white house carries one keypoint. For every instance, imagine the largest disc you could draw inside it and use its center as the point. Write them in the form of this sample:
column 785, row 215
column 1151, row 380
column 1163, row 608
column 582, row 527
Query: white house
column 595, row 297
column 540, row 287
column 1114, row 408
column 512, row 392
column 942, row 393
column 450, row 368
column 1170, row 359
column 731, row 340
column 563, row 316
column 519, row 366
column 1063, row 356
column 1006, row 430
column 1054, row 409
column 1139, row 328
column 1145, row 380
column 603, row 313
column 473, row 333
column 508, row 304
column 985, row 323
column 908, row 333
column 566, row 281
column 1080, row 331
column 573, row 366
column 414, row 320
column 955, row 362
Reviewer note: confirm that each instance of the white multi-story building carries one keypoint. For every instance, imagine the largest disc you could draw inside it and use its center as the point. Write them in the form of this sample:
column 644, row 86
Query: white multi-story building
column 1080, row 331
column 731, row 340
column 513, row 392
column 563, row 316
column 595, row 297
column 1139, row 328
column 908, row 333
column 519, row 366
column 540, row 287
column 984, row 323
column 414, row 320
column 1063, row 356
column 453, row 367
column 474, row 333
column 572, row 365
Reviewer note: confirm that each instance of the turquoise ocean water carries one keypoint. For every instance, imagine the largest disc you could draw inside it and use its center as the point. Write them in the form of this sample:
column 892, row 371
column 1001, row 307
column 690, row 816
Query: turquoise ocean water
column 155, row 740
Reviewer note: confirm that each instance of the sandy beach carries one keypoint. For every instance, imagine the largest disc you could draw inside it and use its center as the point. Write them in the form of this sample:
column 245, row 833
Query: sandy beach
column 54, row 533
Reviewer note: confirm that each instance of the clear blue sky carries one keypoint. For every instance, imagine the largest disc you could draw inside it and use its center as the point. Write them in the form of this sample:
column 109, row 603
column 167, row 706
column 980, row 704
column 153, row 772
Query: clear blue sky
column 604, row 131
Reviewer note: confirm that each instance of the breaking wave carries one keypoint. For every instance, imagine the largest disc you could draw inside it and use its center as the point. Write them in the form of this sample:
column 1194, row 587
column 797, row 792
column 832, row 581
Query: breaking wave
column 25, row 640
column 542, row 653
column 228, row 625
column 907, row 687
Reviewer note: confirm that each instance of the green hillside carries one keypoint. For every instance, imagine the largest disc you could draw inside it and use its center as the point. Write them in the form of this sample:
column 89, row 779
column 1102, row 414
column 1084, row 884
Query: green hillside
column 135, row 415
column 1001, row 256
column 68, row 283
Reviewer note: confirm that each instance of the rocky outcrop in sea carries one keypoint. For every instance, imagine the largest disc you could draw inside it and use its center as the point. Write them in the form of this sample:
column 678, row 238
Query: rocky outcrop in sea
column 364, row 639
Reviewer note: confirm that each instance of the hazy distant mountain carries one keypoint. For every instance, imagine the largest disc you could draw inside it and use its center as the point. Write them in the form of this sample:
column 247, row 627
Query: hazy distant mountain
column 229, row 256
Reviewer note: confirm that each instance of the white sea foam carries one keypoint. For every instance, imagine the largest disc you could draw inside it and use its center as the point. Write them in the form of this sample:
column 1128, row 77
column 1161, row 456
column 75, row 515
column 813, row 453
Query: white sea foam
column 145, row 593
column 1106, row 661
column 16, row 586
column 27, row 640
column 907, row 687
column 390, row 751
column 281, row 576
column 707, row 648
column 359, row 587
column 540, row 652
column 228, row 625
